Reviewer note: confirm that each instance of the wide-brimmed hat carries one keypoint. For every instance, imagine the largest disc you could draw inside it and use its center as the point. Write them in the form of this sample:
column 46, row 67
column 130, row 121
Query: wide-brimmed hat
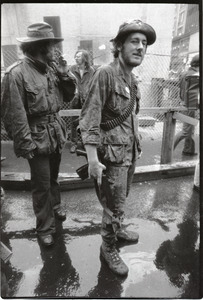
column 39, row 32
column 136, row 26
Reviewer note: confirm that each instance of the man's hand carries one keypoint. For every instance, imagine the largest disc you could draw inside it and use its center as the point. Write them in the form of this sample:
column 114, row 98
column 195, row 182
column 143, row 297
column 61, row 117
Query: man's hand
column 95, row 167
column 139, row 154
column 29, row 155
column 61, row 68
column 95, row 170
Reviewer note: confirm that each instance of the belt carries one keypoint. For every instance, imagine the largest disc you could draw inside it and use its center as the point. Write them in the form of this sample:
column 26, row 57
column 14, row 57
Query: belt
column 32, row 119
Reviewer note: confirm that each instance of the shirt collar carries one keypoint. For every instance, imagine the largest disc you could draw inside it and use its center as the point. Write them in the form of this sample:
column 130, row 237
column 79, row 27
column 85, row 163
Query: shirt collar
column 42, row 67
column 78, row 69
column 121, row 71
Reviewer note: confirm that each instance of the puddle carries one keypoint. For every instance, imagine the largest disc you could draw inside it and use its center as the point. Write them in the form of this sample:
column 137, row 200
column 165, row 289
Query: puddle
column 72, row 267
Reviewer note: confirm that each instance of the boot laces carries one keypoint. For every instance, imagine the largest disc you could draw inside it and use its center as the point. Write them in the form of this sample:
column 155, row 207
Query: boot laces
column 114, row 255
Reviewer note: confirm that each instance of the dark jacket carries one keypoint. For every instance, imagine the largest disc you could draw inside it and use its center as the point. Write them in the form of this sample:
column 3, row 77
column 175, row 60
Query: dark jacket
column 189, row 87
column 82, row 85
column 32, row 91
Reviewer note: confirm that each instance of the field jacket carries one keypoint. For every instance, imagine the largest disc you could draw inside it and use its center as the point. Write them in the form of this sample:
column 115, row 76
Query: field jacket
column 32, row 95
column 108, row 97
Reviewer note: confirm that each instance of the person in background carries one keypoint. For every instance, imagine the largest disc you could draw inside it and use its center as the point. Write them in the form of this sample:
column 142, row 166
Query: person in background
column 83, row 72
column 33, row 90
column 196, row 185
column 109, row 129
column 189, row 93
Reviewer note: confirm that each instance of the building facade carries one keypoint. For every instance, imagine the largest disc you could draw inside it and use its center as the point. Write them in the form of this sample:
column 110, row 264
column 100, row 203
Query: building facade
column 89, row 26
column 186, row 39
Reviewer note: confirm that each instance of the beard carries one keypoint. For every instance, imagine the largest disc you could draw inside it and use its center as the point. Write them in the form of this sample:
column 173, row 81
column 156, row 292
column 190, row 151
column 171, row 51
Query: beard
column 132, row 60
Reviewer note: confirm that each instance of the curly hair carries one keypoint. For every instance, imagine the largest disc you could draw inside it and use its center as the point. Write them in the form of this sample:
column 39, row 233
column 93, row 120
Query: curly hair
column 85, row 57
column 34, row 48
column 116, row 44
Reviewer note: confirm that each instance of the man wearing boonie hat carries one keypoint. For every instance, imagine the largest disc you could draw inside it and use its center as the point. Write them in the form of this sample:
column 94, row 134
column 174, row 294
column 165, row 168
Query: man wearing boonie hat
column 33, row 91
column 109, row 129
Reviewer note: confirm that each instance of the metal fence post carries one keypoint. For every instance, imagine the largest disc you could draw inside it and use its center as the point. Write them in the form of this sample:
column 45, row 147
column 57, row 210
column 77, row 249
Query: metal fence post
column 168, row 138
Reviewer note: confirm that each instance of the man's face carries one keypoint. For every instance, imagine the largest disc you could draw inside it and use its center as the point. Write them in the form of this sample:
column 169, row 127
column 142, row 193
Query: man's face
column 50, row 55
column 78, row 58
column 133, row 50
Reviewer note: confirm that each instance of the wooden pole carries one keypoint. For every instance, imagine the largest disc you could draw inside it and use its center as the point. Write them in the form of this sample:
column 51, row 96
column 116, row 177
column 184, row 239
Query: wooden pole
column 168, row 138
column 185, row 119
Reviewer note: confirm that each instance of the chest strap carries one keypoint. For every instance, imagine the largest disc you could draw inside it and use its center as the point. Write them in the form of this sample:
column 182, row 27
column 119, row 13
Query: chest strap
column 108, row 125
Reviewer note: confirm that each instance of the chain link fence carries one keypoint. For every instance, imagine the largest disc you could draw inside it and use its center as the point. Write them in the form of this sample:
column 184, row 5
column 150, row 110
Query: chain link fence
column 158, row 78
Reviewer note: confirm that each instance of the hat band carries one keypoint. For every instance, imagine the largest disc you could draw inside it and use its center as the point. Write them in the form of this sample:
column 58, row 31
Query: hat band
column 37, row 34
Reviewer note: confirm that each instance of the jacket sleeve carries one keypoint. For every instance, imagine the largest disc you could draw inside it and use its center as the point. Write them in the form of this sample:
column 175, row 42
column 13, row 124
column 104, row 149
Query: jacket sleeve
column 68, row 84
column 91, row 113
column 14, row 114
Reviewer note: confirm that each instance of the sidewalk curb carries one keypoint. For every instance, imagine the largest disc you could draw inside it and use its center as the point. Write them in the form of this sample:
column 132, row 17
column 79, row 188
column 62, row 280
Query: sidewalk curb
column 71, row 181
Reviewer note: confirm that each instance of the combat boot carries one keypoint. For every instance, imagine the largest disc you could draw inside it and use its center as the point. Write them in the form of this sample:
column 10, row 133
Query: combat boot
column 113, row 260
column 127, row 236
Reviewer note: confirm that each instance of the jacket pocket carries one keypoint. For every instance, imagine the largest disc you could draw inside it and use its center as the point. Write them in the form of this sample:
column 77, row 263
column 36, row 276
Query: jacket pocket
column 36, row 98
column 122, row 96
column 41, row 140
column 115, row 149
column 118, row 101
column 122, row 91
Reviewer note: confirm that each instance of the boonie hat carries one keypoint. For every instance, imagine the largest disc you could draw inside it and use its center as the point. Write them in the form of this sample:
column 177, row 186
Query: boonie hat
column 136, row 26
column 39, row 32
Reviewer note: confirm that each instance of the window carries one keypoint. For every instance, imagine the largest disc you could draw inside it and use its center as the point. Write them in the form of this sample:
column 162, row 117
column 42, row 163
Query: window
column 180, row 30
column 181, row 18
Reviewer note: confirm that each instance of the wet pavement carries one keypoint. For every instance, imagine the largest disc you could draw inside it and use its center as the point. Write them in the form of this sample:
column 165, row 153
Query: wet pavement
column 163, row 264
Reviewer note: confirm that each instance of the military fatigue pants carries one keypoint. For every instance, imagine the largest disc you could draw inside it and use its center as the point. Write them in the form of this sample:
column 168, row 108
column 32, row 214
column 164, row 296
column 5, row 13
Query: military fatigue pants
column 113, row 193
column 45, row 190
column 187, row 133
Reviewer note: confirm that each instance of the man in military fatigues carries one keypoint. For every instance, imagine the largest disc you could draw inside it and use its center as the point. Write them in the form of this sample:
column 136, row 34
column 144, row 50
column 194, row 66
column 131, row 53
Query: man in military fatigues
column 112, row 141
column 32, row 94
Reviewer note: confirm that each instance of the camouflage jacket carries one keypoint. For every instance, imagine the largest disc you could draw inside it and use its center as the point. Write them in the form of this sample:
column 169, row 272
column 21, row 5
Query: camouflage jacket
column 31, row 91
column 108, row 97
